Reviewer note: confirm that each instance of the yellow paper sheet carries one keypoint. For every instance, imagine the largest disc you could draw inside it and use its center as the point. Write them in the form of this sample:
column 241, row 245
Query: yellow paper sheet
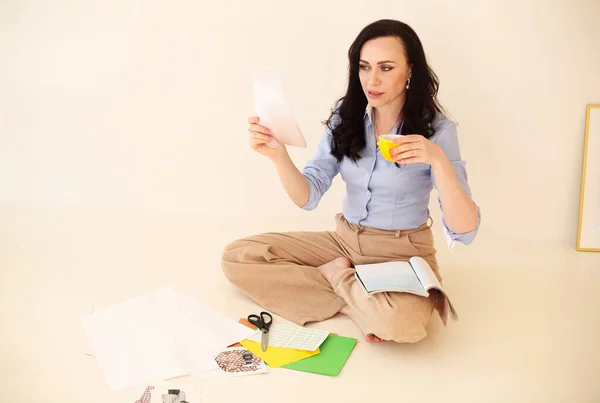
column 277, row 356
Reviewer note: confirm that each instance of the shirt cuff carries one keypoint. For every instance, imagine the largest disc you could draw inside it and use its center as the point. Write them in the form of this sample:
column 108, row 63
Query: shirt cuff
column 313, row 197
column 464, row 238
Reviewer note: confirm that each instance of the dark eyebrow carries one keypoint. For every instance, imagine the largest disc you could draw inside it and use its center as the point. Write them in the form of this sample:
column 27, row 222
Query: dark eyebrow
column 383, row 62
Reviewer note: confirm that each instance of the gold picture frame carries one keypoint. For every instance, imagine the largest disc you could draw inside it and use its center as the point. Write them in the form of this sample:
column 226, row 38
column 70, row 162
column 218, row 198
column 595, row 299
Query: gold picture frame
column 588, row 231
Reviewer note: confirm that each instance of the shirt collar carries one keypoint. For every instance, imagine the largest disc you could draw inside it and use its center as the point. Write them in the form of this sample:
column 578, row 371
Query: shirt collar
column 369, row 113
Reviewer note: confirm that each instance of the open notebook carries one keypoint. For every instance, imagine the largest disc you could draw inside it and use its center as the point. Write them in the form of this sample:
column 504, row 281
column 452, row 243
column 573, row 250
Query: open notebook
column 414, row 276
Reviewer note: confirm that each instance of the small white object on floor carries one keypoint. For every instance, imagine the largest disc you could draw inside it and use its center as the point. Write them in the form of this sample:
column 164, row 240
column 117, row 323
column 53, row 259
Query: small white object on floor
column 154, row 394
column 185, row 395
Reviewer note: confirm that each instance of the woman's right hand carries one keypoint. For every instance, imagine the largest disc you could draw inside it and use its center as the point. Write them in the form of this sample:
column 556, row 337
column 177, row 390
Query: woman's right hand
column 260, row 136
column 294, row 182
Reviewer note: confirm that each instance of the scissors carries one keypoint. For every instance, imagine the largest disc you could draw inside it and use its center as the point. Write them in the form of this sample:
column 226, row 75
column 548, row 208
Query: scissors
column 263, row 322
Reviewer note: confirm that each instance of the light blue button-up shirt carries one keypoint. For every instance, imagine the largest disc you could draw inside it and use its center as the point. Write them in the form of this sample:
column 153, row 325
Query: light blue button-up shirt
column 378, row 193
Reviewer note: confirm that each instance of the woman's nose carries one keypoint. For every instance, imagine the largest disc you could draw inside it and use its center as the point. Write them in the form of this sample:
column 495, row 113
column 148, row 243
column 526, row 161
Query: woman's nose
column 373, row 78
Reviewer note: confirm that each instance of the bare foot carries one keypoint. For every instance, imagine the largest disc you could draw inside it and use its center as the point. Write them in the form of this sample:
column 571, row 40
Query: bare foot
column 328, row 270
column 369, row 338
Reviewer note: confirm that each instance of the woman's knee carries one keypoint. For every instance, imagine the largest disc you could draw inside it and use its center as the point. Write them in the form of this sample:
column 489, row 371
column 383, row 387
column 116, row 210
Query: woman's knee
column 231, row 259
column 410, row 332
column 405, row 323
column 238, row 256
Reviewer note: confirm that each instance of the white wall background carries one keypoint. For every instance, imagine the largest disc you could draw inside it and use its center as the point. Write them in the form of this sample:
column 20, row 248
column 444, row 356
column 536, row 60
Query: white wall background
column 142, row 104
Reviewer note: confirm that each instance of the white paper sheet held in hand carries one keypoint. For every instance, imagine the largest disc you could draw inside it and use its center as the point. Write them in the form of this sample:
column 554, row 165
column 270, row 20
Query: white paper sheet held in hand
column 273, row 110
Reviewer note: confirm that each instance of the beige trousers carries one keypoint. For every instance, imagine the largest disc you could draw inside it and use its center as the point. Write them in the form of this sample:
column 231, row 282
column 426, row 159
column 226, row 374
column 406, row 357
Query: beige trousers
column 278, row 271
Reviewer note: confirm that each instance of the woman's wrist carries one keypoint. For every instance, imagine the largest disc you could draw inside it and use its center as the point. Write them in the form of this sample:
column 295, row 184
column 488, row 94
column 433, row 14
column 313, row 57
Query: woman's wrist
column 440, row 162
column 280, row 156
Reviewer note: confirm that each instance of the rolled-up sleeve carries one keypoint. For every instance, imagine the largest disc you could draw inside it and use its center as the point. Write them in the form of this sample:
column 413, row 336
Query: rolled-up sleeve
column 447, row 139
column 320, row 171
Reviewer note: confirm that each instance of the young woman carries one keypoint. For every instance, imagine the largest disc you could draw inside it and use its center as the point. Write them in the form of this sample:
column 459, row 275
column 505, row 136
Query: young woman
column 308, row 276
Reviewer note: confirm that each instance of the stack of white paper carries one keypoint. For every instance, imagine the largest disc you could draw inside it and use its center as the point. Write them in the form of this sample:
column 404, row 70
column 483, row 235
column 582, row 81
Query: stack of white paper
column 158, row 336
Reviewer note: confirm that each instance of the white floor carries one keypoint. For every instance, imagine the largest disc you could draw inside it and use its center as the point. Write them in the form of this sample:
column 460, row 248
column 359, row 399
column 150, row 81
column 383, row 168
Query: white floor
column 528, row 332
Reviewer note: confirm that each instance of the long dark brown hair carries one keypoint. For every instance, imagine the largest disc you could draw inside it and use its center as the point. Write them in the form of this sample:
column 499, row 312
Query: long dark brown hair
column 420, row 106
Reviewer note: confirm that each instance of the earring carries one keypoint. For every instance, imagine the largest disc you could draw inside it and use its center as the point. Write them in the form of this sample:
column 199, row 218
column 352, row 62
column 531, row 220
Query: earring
column 408, row 83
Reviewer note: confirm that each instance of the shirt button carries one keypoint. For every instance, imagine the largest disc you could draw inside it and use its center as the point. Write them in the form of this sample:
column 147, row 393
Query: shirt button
column 366, row 176
column 367, row 193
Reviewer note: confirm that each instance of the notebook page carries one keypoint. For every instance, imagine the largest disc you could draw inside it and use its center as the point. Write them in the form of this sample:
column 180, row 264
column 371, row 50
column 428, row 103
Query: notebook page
column 398, row 276
column 429, row 280
column 425, row 273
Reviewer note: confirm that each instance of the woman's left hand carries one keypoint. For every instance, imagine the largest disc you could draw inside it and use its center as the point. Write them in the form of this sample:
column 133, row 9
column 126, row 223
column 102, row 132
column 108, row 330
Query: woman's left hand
column 415, row 148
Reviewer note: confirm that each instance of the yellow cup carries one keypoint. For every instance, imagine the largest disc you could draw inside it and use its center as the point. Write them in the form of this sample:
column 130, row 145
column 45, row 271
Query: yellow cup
column 386, row 144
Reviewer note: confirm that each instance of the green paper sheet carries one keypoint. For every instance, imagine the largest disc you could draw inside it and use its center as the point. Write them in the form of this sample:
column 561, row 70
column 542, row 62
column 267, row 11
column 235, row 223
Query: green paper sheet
column 335, row 351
